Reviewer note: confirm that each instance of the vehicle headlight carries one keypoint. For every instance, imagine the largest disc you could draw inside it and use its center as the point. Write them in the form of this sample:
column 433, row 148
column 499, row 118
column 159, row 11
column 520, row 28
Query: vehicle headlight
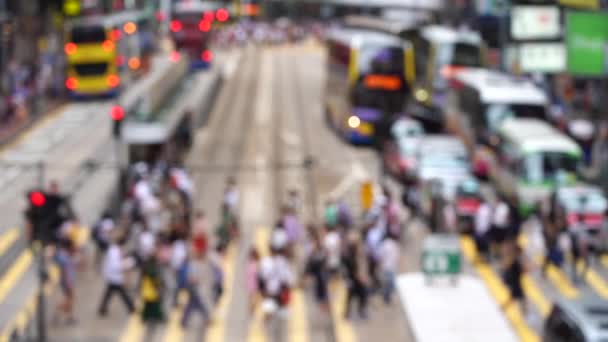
column 421, row 95
column 354, row 122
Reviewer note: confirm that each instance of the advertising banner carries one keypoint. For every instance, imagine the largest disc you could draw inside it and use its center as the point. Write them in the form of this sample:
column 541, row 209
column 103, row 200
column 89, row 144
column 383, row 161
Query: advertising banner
column 542, row 57
column 587, row 43
column 535, row 22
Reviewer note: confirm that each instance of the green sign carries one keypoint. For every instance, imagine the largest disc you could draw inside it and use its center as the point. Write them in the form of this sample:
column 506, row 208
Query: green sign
column 587, row 43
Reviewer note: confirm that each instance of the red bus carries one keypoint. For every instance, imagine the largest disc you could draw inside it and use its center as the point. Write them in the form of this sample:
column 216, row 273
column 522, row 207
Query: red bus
column 190, row 29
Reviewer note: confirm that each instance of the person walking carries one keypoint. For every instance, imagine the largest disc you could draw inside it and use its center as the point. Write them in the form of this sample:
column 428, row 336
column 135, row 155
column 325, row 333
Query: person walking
column 195, row 302
column 217, row 271
column 316, row 268
column 200, row 240
column 64, row 257
column 178, row 257
column 251, row 278
column 151, row 292
column 483, row 219
column 389, row 265
column 332, row 248
column 115, row 264
column 356, row 283
column 514, row 267
column 500, row 226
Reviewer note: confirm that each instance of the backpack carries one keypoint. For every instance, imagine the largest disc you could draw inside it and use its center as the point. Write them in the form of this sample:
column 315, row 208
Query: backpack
column 149, row 291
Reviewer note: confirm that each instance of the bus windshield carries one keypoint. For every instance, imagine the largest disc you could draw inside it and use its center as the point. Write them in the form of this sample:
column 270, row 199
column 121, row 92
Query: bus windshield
column 458, row 54
column 540, row 167
column 495, row 114
column 88, row 34
column 381, row 59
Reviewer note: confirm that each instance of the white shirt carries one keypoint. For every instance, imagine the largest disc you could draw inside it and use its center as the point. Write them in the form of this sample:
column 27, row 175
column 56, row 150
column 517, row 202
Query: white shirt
column 276, row 271
column 331, row 243
column 147, row 244
column 389, row 255
column 113, row 265
column 142, row 190
column 182, row 180
column 231, row 198
column 178, row 254
column 279, row 239
column 483, row 219
column 501, row 215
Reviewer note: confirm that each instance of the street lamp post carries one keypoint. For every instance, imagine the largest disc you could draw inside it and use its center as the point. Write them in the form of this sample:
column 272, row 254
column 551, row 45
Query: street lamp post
column 42, row 272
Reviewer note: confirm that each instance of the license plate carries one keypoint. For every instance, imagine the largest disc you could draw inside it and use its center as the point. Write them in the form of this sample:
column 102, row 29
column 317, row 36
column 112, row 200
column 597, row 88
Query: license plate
column 366, row 129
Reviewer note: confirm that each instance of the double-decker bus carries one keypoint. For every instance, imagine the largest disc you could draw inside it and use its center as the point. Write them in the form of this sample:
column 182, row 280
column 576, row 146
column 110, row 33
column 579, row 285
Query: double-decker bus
column 190, row 26
column 368, row 82
column 104, row 51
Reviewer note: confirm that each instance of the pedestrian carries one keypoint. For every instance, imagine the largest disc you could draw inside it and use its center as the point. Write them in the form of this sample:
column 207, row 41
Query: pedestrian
column 500, row 226
column 115, row 264
column 151, row 287
column 331, row 214
column 483, row 219
column 450, row 219
column 231, row 196
column 101, row 233
column 332, row 247
column 373, row 238
column 356, row 283
column 199, row 234
column 279, row 239
column 64, row 257
column 251, row 278
column 553, row 253
column 217, row 271
column 514, row 267
column 345, row 217
column 277, row 279
column 179, row 254
column 191, row 274
column 293, row 200
column 146, row 244
column 389, row 265
column 228, row 227
column 316, row 268
column 292, row 225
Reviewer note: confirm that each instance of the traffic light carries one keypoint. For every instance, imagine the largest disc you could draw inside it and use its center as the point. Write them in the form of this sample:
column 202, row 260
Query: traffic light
column 38, row 215
column 117, row 113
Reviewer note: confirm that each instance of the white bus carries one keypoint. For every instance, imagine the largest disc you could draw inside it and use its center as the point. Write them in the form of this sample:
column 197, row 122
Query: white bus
column 534, row 158
column 485, row 98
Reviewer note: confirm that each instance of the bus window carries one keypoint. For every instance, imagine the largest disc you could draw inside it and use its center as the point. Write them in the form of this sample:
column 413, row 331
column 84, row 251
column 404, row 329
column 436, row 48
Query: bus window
column 466, row 55
column 495, row 114
column 83, row 35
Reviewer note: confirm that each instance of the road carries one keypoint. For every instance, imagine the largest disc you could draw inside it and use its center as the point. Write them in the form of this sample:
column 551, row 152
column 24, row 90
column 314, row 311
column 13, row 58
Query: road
column 267, row 121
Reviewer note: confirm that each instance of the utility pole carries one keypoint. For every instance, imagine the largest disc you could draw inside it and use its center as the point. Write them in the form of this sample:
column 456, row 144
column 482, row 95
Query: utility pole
column 42, row 273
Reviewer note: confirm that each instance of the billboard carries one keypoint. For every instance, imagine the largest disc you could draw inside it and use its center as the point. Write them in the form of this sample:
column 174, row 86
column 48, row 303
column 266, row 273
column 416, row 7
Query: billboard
column 587, row 43
column 583, row 4
column 535, row 22
column 542, row 57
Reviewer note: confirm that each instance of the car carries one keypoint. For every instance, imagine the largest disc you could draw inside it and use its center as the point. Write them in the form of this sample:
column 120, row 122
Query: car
column 441, row 156
column 582, row 319
column 399, row 152
column 582, row 208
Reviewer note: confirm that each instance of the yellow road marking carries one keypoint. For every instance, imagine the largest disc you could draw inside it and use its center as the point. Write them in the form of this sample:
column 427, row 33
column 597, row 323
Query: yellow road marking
column 135, row 329
column 217, row 330
column 557, row 277
column 14, row 273
column 298, row 327
column 536, row 295
column 594, row 280
column 343, row 328
column 8, row 239
column 174, row 331
column 498, row 290
column 257, row 332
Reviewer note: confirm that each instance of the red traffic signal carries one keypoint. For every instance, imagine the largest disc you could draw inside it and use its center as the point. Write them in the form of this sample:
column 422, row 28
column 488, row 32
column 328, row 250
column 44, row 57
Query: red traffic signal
column 117, row 113
column 222, row 14
column 37, row 198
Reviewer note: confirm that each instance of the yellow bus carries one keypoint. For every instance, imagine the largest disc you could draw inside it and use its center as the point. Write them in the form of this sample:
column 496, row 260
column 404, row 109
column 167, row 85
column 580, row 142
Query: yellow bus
column 369, row 78
column 103, row 51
